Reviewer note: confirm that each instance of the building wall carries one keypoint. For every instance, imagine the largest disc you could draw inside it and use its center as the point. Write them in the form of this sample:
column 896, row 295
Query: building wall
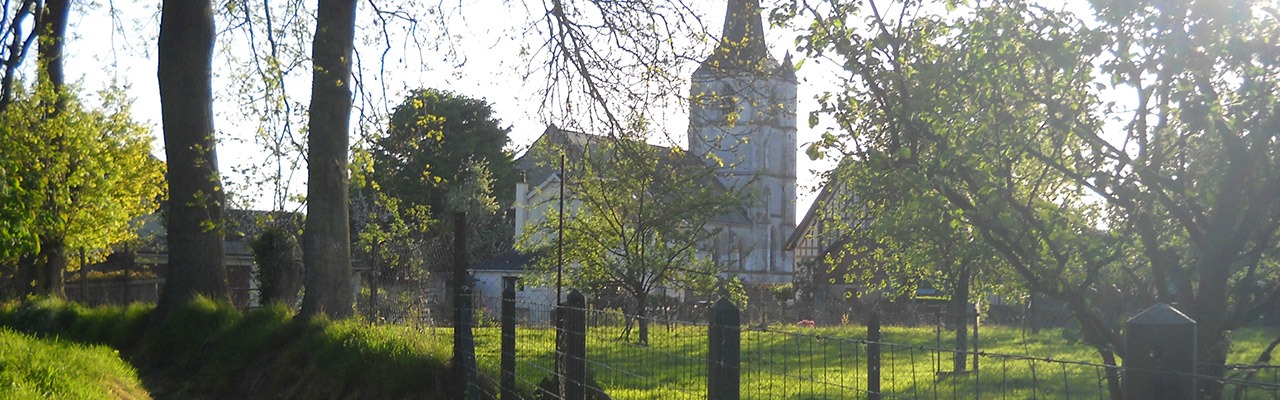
column 534, row 303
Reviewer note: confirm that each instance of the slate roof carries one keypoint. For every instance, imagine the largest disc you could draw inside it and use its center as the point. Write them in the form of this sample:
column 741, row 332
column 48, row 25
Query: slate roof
column 537, row 171
column 510, row 260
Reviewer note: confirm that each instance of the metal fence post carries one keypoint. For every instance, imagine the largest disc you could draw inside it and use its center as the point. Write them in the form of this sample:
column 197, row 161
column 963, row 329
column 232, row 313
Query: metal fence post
column 573, row 373
column 724, row 351
column 873, row 356
column 464, row 346
column 1160, row 347
column 508, row 379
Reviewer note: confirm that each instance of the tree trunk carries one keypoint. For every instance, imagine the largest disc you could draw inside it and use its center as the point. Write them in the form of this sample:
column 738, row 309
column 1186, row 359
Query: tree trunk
column 326, row 238
column 52, row 261
column 374, row 274
column 642, row 315
column 960, row 318
column 195, row 231
column 52, row 264
column 53, row 32
column 28, row 274
column 1032, row 319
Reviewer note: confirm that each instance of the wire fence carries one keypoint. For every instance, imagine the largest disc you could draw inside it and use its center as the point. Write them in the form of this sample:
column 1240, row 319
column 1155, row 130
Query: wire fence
column 680, row 357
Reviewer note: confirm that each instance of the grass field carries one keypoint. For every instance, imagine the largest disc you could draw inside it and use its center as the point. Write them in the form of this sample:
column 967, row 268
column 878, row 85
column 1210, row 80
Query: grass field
column 34, row 368
column 830, row 363
column 217, row 352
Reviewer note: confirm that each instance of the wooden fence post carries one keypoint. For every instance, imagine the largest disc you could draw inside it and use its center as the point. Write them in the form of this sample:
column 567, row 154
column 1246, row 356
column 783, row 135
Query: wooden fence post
column 724, row 351
column 1160, row 347
column 508, row 378
column 573, row 365
column 873, row 355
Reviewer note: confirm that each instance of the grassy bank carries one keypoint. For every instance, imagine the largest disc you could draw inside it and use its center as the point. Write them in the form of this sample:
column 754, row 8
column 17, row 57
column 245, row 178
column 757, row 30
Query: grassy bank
column 35, row 368
column 212, row 351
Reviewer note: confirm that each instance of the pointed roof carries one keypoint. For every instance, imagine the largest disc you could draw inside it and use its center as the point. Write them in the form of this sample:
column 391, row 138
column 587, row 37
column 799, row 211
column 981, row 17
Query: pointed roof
column 742, row 44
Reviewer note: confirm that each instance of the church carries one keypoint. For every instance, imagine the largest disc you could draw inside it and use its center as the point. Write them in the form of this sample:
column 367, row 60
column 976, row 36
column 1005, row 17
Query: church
column 742, row 120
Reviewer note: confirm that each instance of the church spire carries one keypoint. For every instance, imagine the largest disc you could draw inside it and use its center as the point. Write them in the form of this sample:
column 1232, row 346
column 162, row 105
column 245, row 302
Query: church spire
column 742, row 41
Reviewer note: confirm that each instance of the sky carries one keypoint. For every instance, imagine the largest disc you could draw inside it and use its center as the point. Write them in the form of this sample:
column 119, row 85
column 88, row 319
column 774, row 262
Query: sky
column 483, row 55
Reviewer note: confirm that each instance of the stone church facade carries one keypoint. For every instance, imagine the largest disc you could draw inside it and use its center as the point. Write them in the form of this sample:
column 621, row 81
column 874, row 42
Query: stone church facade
column 743, row 116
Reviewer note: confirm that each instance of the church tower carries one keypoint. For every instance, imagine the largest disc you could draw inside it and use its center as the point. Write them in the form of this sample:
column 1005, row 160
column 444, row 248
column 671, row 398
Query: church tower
column 743, row 118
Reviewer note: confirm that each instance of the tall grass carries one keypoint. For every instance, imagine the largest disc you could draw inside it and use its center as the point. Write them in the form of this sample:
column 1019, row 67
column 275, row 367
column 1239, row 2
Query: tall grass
column 210, row 350
column 35, row 368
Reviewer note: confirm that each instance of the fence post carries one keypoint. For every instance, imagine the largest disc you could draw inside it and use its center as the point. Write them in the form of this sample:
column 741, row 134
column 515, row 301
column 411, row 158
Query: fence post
column 508, row 380
column 572, row 315
column 1160, row 347
column 873, row 355
column 464, row 346
column 724, row 351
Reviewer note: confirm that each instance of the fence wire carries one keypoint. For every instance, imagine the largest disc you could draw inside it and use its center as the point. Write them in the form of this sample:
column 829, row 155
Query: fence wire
column 797, row 362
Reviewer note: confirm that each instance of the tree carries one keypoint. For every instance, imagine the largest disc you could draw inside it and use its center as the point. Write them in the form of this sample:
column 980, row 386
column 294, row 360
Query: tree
column 81, row 177
column 196, row 198
column 1200, row 181
column 442, row 153
column 897, row 236
column 431, row 138
column 46, row 268
column 1000, row 110
column 326, row 239
column 639, row 214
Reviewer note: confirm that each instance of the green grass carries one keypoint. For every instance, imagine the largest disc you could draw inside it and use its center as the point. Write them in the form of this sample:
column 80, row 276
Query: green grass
column 210, row 350
column 34, row 368
column 830, row 363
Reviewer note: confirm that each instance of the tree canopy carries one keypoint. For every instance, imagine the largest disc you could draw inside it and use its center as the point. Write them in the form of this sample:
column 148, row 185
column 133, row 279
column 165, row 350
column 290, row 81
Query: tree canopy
column 82, row 175
column 1079, row 147
column 432, row 137
column 441, row 153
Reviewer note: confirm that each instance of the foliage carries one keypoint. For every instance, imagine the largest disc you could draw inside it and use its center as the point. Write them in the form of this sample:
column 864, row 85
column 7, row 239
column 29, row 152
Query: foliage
column 442, row 153
column 639, row 213
column 391, row 233
column 1000, row 109
column 51, row 368
column 279, row 278
column 83, row 174
column 900, row 236
column 432, row 142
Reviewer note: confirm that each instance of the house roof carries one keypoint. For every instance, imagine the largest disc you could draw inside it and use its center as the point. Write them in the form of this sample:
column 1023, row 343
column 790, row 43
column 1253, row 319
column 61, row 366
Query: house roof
column 510, row 260
column 822, row 204
column 241, row 227
column 802, row 228
column 538, row 171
